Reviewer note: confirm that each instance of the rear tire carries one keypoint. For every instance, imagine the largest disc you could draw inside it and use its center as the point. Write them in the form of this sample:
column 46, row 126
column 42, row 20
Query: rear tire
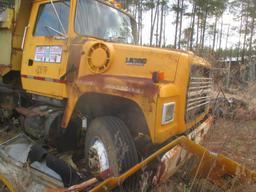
column 109, row 138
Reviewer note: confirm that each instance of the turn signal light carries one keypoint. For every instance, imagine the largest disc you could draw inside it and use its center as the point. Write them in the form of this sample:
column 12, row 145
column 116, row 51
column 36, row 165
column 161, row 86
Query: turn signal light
column 157, row 76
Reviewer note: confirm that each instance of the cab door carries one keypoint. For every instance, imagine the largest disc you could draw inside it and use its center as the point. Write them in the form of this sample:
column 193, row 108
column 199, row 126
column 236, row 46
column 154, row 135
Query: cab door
column 45, row 53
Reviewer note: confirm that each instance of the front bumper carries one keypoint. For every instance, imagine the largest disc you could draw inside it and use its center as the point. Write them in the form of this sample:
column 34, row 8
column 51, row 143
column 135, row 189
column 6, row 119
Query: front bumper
column 198, row 134
column 172, row 160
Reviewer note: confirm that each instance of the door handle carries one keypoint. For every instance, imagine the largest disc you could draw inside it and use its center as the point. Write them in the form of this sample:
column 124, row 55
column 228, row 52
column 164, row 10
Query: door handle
column 30, row 62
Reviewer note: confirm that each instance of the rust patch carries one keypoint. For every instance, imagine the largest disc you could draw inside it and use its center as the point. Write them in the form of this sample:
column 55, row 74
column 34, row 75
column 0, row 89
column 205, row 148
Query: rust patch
column 31, row 112
column 75, row 52
column 122, row 85
column 141, row 90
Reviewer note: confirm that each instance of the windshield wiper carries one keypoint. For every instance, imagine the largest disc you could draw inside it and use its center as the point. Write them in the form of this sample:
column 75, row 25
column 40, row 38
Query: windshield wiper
column 57, row 15
column 120, row 39
column 55, row 30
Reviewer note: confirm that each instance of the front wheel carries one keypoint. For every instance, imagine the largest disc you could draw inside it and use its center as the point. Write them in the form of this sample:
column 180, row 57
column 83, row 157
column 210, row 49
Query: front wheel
column 109, row 146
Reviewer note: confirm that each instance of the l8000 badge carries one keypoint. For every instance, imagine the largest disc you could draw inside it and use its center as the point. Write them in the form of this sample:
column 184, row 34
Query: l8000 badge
column 135, row 61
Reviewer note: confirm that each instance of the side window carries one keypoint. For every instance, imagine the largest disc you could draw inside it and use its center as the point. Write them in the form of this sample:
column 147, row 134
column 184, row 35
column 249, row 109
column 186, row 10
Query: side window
column 47, row 20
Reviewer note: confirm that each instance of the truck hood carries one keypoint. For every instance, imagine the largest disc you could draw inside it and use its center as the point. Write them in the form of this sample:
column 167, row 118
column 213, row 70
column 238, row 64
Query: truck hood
column 127, row 60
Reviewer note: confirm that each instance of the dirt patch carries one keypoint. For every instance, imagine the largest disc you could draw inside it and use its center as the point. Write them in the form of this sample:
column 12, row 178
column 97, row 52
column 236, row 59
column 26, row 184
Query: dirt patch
column 235, row 139
column 235, row 136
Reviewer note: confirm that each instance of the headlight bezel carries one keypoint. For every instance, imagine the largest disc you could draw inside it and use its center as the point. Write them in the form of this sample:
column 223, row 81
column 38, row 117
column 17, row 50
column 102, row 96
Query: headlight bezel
column 168, row 118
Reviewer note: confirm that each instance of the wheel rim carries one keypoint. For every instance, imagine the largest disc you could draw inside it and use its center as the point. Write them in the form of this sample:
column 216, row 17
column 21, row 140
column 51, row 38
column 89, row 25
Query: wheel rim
column 98, row 156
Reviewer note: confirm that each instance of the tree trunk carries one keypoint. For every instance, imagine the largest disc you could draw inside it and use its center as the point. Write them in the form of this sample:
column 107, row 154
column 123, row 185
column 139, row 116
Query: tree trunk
column 157, row 27
column 226, row 47
column 252, row 65
column 192, row 27
column 153, row 23
column 252, row 34
column 240, row 36
column 177, row 24
column 204, row 28
column 164, row 32
column 197, row 30
column 245, row 37
column 221, row 32
column 214, row 33
column 140, row 21
column 181, row 17
column 161, row 24
column 201, row 33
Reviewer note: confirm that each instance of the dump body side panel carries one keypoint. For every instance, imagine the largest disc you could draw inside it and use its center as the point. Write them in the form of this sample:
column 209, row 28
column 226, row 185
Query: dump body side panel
column 13, row 20
column 22, row 17
column 6, row 18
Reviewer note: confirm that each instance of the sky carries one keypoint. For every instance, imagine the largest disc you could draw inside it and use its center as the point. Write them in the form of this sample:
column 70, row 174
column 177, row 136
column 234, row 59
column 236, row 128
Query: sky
column 170, row 29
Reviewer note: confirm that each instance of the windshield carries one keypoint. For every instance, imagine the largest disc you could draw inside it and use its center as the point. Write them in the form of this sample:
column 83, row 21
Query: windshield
column 99, row 20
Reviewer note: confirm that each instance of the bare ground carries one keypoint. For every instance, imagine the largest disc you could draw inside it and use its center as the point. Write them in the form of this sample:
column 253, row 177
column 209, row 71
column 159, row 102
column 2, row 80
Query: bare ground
column 234, row 138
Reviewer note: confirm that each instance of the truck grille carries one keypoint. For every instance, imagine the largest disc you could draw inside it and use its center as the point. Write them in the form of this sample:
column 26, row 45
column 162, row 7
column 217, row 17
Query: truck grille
column 199, row 90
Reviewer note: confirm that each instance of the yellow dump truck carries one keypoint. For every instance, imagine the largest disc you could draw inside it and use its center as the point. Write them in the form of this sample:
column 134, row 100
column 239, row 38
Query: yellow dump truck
column 80, row 86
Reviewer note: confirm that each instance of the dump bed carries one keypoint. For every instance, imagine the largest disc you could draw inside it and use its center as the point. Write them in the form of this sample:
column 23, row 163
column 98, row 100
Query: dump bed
column 14, row 16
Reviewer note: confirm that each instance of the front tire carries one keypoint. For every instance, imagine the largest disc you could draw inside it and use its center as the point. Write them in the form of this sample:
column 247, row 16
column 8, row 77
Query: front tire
column 109, row 146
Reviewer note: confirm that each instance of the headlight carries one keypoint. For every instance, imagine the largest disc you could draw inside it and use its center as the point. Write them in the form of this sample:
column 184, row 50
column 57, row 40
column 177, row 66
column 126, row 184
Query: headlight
column 168, row 113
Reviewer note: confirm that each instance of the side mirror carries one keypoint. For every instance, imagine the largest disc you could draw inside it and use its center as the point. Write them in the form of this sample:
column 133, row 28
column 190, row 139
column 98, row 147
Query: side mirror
column 6, row 18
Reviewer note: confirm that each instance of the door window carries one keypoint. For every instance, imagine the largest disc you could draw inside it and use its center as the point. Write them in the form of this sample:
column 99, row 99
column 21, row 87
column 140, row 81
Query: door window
column 51, row 22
